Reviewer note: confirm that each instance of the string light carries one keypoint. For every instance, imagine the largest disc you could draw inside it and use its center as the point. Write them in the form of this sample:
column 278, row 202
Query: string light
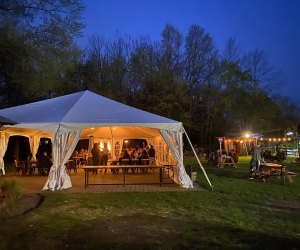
column 279, row 139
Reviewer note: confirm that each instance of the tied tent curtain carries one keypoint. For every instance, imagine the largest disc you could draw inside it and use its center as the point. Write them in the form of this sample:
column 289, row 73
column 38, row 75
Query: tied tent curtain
column 3, row 146
column 64, row 143
column 174, row 141
column 34, row 142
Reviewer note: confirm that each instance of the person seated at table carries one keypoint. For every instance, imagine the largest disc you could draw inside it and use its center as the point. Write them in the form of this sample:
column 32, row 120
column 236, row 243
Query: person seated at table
column 45, row 163
column 86, row 154
column 142, row 157
column 125, row 156
column 234, row 155
column 75, row 153
column 132, row 153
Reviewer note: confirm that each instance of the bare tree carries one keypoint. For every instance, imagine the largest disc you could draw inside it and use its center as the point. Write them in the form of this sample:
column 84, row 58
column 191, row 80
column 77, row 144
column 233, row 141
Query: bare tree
column 232, row 51
column 262, row 72
column 171, row 49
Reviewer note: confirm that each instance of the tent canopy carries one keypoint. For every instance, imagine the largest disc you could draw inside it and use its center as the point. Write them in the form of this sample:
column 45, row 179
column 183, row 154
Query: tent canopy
column 81, row 115
column 84, row 110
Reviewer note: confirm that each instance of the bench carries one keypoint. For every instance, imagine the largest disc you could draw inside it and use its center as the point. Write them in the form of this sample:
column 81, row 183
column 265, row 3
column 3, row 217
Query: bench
column 290, row 176
column 268, row 170
column 222, row 164
column 124, row 169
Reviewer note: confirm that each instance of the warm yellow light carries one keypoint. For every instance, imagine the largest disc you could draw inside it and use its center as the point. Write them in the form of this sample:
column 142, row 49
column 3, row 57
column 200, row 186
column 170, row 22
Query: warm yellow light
column 274, row 139
column 270, row 139
column 289, row 139
column 247, row 135
column 126, row 141
column 261, row 139
column 284, row 139
column 101, row 143
column 108, row 145
column 92, row 128
column 279, row 139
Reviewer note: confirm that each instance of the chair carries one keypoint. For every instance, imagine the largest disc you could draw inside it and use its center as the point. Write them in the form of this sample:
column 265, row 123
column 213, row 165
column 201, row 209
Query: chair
column 71, row 165
column 20, row 166
column 33, row 165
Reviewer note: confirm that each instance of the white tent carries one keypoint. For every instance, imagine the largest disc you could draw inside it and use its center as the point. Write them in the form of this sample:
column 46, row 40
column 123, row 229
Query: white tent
column 68, row 118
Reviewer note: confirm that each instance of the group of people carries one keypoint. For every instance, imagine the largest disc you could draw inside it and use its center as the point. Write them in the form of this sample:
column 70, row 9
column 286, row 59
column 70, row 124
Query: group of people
column 217, row 156
column 146, row 153
column 100, row 156
column 258, row 156
column 81, row 153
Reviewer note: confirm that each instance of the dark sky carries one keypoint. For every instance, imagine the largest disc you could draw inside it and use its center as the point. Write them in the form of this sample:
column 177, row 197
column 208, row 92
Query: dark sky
column 270, row 25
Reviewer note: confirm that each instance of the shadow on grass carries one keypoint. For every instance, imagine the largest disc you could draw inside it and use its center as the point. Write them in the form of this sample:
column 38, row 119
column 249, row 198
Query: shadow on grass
column 141, row 231
column 150, row 231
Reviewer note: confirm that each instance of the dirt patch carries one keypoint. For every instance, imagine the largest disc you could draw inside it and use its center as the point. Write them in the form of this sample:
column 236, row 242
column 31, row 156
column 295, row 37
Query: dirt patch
column 285, row 206
column 136, row 231
column 23, row 204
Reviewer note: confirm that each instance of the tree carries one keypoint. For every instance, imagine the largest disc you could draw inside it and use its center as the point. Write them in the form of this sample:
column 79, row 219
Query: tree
column 200, row 75
column 171, row 50
column 232, row 51
column 262, row 72
column 46, row 30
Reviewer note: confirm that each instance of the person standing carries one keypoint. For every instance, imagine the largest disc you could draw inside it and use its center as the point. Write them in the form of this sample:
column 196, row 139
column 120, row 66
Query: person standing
column 96, row 155
column 151, row 154
column 255, row 160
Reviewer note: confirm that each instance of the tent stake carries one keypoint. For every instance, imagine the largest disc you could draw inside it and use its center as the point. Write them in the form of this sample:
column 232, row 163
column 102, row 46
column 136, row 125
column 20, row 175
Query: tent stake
column 202, row 168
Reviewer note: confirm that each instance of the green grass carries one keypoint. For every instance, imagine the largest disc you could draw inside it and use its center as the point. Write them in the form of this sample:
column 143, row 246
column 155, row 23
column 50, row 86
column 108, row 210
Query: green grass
column 237, row 214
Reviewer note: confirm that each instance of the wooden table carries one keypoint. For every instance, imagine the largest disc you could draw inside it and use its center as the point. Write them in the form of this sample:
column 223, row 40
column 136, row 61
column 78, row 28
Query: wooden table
column 269, row 169
column 88, row 169
column 228, row 160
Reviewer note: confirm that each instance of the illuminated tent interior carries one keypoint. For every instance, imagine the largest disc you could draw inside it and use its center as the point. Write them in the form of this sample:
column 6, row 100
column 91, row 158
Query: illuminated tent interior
column 86, row 115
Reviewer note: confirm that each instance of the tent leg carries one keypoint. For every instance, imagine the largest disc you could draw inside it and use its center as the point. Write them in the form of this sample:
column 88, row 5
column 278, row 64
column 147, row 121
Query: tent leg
column 202, row 168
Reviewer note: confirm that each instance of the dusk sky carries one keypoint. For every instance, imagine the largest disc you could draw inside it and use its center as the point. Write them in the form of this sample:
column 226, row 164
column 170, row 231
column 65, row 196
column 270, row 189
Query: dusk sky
column 270, row 25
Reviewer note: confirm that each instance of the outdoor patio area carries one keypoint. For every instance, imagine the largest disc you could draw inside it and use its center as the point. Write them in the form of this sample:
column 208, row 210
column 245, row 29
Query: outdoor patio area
column 108, row 182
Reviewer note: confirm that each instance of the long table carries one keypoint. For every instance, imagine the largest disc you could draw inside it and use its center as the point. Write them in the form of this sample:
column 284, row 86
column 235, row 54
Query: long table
column 161, row 169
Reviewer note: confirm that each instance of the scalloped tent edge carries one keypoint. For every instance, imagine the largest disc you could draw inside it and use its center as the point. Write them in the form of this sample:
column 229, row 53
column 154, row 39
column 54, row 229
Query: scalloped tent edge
column 68, row 116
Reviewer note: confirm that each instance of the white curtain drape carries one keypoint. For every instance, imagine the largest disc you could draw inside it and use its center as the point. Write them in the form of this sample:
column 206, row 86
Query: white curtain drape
column 174, row 141
column 34, row 142
column 3, row 146
column 91, row 144
column 63, row 145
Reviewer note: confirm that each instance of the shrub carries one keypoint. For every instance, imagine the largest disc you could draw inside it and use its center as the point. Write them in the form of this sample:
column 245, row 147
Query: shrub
column 9, row 192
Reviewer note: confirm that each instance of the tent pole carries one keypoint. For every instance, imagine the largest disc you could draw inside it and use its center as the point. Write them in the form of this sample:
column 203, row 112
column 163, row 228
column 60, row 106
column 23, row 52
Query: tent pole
column 112, row 144
column 202, row 168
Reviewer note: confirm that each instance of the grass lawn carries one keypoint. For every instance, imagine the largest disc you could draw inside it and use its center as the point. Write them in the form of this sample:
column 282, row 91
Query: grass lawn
column 238, row 214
